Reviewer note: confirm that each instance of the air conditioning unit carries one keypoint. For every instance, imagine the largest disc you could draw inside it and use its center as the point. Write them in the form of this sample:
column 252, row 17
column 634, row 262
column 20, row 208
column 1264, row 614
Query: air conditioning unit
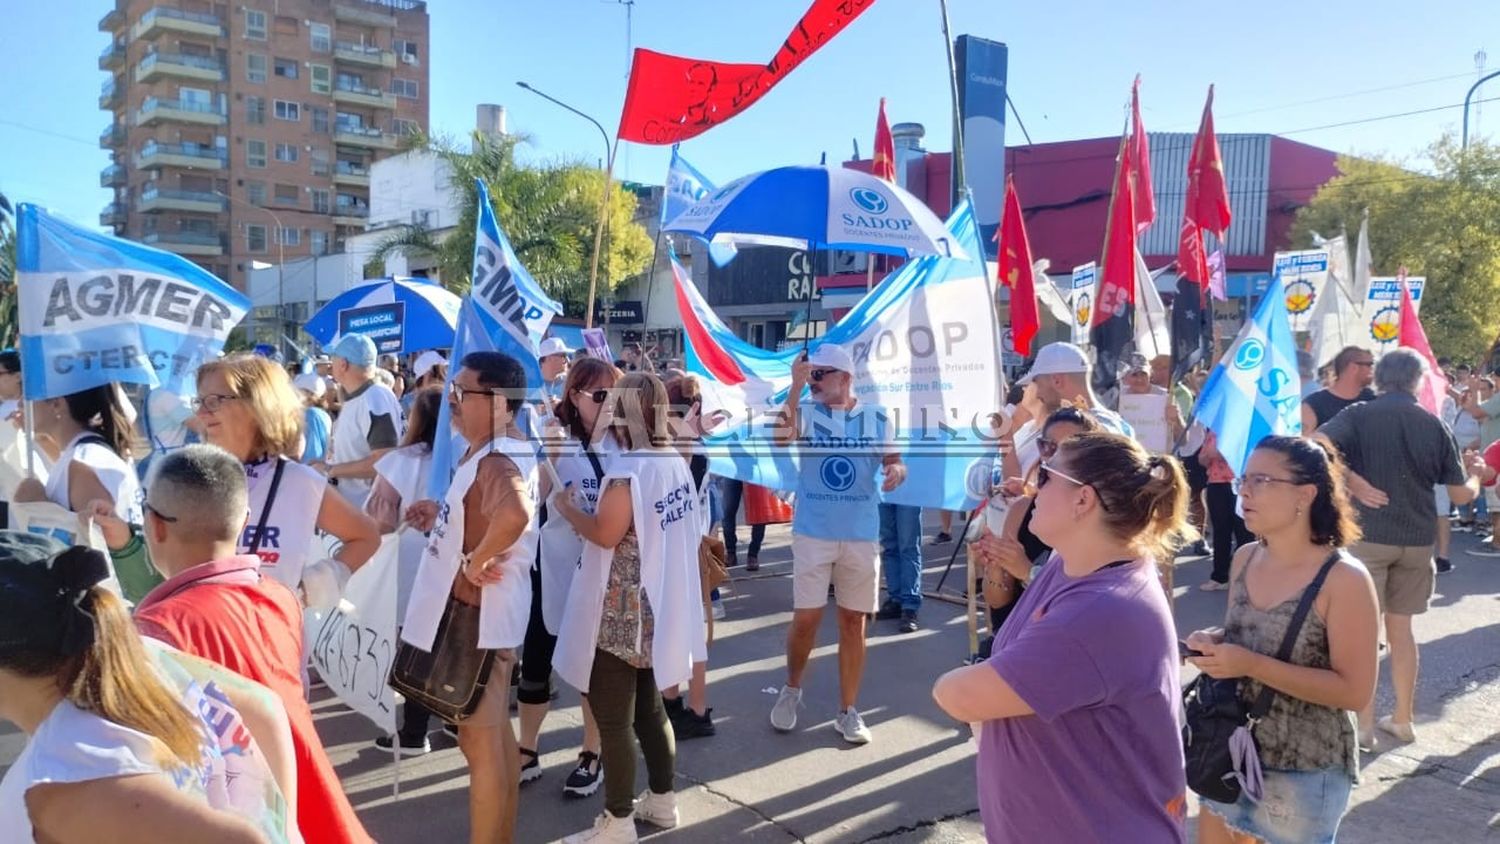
column 408, row 58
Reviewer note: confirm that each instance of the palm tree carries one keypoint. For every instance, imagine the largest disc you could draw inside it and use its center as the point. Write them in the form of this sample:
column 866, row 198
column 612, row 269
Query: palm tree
column 8, row 321
column 547, row 212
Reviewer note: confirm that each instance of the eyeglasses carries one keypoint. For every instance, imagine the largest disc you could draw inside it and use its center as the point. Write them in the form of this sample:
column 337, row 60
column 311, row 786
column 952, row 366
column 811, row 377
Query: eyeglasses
column 1257, row 482
column 1044, row 473
column 157, row 513
column 211, row 402
column 459, row 392
column 596, row 396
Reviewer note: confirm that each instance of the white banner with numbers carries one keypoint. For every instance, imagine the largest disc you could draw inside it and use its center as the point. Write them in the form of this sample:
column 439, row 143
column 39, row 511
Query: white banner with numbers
column 353, row 645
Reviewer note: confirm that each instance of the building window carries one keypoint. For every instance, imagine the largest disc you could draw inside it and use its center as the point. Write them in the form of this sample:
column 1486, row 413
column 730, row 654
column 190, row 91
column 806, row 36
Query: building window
column 287, row 194
column 406, row 51
column 255, row 193
column 291, row 237
column 255, row 67
column 286, row 153
column 320, row 162
column 322, row 78
column 255, row 153
column 322, row 202
column 404, row 88
column 288, row 111
column 317, row 241
column 255, row 110
column 402, row 128
column 319, row 120
column 321, row 37
column 255, row 24
column 255, row 238
column 286, row 68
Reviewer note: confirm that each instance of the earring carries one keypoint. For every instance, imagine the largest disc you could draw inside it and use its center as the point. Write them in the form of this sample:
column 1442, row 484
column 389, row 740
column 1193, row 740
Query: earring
column 1299, row 509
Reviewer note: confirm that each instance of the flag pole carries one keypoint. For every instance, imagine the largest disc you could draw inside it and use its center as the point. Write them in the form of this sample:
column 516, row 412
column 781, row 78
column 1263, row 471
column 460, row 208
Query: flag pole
column 609, row 180
column 960, row 177
column 651, row 281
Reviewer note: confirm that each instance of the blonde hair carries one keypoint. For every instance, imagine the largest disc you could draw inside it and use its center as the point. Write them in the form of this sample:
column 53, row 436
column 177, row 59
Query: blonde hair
column 267, row 391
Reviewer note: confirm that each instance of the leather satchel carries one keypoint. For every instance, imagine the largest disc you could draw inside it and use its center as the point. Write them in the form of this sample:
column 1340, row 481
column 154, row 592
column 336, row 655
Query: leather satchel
column 449, row 680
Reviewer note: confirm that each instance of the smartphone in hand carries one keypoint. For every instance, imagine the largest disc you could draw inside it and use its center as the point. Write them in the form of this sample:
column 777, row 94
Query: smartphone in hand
column 1184, row 651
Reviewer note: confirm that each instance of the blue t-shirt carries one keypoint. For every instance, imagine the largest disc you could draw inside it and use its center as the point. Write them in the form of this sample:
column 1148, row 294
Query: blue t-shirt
column 316, row 424
column 838, row 487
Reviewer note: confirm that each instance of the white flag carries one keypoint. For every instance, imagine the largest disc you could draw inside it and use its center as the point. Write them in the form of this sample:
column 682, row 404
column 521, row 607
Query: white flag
column 1153, row 326
column 1335, row 321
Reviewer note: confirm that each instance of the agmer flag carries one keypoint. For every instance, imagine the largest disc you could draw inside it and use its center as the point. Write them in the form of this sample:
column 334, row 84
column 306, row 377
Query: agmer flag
column 673, row 98
column 95, row 308
column 1255, row 391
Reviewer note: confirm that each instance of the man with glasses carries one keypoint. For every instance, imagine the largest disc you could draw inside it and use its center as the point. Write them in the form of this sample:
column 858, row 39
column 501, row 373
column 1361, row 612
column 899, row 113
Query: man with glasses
column 1059, row 376
column 369, row 420
column 1354, row 372
column 842, row 448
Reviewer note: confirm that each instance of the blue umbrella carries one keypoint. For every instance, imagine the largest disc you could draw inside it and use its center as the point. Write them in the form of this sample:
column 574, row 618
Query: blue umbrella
column 818, row 208
column 400, row 314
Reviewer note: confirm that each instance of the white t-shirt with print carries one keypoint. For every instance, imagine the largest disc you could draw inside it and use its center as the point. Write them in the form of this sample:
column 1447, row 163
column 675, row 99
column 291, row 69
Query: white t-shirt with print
column 115, row 474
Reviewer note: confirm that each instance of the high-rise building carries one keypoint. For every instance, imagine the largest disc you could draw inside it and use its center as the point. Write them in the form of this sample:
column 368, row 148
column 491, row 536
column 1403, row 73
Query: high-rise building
column 245, row 131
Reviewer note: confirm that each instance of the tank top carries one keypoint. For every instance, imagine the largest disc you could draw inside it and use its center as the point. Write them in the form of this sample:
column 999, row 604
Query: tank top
column 115, row 474
column 1295, row 735
column 286, row 545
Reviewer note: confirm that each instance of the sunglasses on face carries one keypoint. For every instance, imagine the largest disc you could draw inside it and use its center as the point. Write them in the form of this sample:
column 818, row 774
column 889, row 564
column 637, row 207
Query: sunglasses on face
column 819, row 374
column 211, row 402
column 1044, row 474
column 596, row 396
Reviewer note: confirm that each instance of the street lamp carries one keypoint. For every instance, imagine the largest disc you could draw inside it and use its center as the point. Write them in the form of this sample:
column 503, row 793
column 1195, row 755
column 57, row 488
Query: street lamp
column 280, row 268
column 609, row 172
column 1469, row 96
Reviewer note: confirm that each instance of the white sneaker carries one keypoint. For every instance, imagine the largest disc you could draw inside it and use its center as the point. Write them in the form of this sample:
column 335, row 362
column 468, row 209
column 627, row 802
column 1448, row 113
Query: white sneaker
column 852, row 727
column 607, row 829
column 718, row 610
column 784, row 713
column 659, row 810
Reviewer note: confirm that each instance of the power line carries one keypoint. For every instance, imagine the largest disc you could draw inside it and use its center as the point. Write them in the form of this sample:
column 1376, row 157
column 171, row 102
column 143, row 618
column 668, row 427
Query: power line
column 1350, row 95
column 39, row 130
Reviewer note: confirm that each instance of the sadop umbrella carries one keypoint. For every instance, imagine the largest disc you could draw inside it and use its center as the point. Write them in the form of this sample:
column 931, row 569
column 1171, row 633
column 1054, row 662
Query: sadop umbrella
column 400, row 314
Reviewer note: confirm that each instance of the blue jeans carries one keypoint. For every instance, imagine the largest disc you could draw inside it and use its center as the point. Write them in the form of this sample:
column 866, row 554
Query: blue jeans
column 901, row 554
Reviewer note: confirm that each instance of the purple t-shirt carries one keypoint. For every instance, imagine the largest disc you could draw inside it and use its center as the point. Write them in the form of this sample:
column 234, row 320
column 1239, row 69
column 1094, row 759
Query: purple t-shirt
column 1101, row 760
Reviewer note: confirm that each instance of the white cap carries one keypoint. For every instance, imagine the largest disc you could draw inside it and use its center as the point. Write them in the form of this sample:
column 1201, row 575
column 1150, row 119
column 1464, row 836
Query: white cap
column 831, row 356
column 426, row 361
column 1056, row 359
column 553, row 346
column 311, row 383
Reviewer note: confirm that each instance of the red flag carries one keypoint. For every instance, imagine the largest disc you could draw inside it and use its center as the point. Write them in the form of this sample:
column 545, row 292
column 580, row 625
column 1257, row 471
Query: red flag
column 1117, row 277
column 1207, row 193
column 883, row 166
column 1434, row 383
column 1140, row 163
column 673, row 98
column 1016, row 271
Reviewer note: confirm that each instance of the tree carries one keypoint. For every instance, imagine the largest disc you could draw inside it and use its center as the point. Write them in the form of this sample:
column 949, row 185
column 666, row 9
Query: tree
column 9, row 323
column 548, row 212
column 1443, row 224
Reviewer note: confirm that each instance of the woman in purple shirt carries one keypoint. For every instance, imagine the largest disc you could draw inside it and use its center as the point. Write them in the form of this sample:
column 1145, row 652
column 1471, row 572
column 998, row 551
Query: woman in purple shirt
column 1078, row 705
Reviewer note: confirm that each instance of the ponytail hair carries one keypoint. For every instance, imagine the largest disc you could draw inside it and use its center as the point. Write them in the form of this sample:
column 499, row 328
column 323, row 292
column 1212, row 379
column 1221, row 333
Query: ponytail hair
column 98, row 409
column 1331, row 517
column 1144, row 496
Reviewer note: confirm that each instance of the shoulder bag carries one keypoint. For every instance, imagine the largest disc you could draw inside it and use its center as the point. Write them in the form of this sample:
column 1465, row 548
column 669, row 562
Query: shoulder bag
column 449, row 680
column 1218, row 738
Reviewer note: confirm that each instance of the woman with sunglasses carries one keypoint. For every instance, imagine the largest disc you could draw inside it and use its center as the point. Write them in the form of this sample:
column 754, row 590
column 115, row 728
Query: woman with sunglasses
column 248, row 407
column 1079, row 703
column 578, row 449
column 94, row 429
column 1294, row 500
column 1008, row 559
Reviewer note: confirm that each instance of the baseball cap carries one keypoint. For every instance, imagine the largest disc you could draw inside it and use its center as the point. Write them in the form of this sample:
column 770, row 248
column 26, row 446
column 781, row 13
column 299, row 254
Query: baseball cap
column 553, row 346
column 1056, row 359
column 426, row 361
column 311, row 382
column 358, row 349
column 831, row 356
column 42, row 585
column 1137, row 363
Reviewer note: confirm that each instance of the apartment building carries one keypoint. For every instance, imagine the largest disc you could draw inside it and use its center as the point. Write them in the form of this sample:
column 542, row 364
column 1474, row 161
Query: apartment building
column 245, row 131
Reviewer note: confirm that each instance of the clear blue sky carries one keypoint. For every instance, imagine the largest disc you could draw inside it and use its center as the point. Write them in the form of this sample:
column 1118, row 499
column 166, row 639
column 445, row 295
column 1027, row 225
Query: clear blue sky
column 1069, row 75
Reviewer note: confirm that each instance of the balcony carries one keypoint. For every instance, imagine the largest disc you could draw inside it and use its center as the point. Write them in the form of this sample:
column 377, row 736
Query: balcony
column 155, row 110
column 364, row 14
column 355, row 94
column 112, row 176
column 112, row 136
column 186, row 243
column 113, row 215
column 164, row 199
column 365, row 137
column 113, row 57
column 111, row 95
column 161, row 65
column 195, row 156
column 111, row 20
column 163, row 19
column 364, row 54
column 351, row 214
column 346, row 173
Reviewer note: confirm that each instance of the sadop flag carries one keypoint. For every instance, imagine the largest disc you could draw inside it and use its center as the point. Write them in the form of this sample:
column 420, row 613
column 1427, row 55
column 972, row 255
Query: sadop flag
column 684, row 188
column 95, row 309
column 1255, row 391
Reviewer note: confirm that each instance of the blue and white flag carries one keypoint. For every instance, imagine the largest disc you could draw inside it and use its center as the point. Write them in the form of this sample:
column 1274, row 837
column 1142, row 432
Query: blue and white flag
column 505, row 311
column 95, row 309
column 685, row 187
column 1255, row 392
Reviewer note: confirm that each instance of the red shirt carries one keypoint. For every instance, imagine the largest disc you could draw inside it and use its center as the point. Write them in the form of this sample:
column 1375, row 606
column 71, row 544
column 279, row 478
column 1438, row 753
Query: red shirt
column 225, row 612
column 1492, row 459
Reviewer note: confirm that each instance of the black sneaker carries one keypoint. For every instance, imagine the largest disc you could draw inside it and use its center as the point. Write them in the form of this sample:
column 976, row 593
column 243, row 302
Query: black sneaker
column 585, row 778
column 942, row 538
column 1445, row 565
column 889, row 611
column 689, row 724
column 532, row 770
column 451, row 730
column 908, row 621
column 674, row 707
column 409, row 746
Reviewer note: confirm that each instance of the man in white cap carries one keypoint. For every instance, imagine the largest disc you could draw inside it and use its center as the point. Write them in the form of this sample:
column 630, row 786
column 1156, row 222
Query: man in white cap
column 1061, row 375
column 553, row 358
column 842, row 448
column 369, row 420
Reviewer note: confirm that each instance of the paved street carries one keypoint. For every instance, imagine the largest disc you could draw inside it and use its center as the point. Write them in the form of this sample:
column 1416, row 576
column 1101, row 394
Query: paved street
column 916, row 782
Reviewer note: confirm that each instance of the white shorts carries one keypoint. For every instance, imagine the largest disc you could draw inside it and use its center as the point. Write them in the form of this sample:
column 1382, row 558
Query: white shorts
column 852, row 567
column 1492, row 498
